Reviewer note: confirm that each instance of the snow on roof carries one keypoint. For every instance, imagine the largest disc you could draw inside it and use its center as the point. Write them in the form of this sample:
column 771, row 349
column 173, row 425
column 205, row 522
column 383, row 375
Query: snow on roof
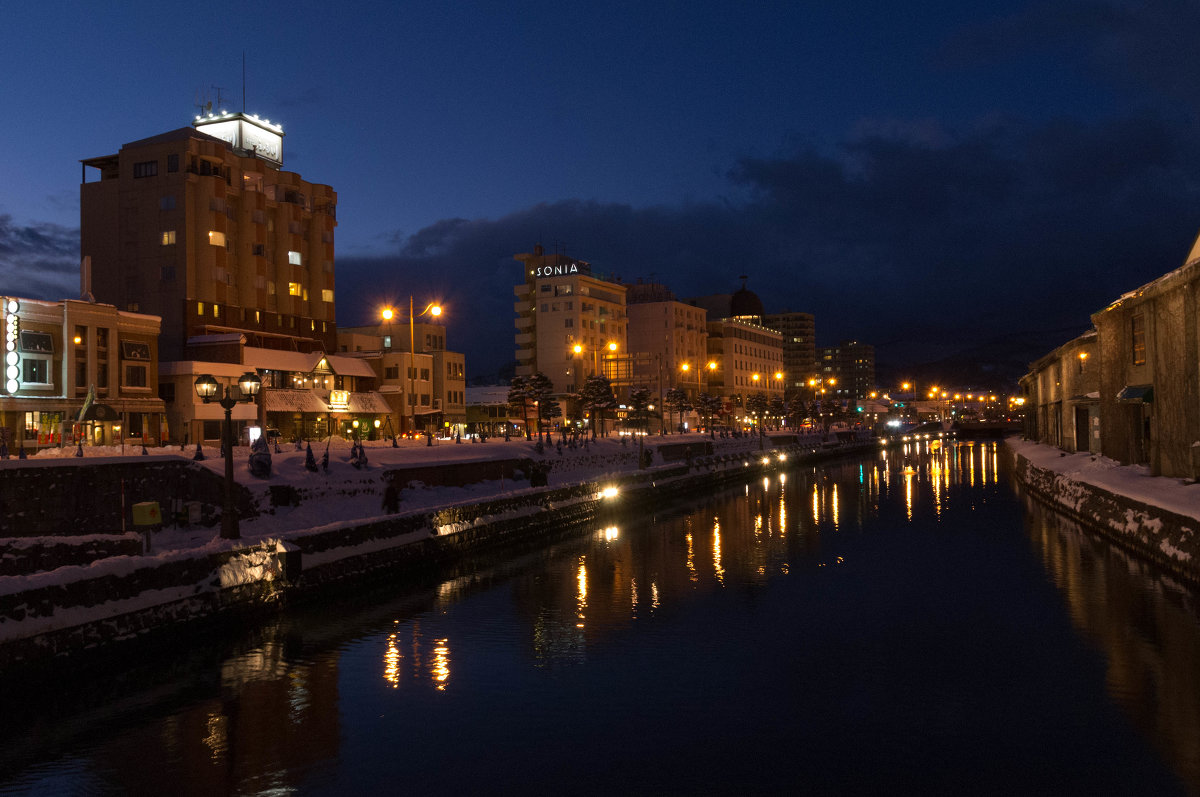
column 277, row 360
column 349, row 366
column 216, row 337
column 288, row 400
column 368, row 403
column 487, row 394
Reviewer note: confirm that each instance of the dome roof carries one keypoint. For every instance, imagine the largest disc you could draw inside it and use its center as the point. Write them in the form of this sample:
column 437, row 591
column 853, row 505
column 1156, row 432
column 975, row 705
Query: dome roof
column 745, row 302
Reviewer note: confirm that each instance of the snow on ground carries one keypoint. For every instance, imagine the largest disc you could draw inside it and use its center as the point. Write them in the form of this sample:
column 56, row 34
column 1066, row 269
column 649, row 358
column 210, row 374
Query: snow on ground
column 1132, row 481
column 339, row 507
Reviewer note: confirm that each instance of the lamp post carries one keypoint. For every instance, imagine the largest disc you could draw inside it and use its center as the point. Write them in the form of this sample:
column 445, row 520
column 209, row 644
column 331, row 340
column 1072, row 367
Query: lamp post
column 435, row 310
column 244, row 391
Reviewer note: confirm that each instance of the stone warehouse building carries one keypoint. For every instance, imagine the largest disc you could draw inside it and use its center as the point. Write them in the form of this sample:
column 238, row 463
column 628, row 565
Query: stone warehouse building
column 1140, row 378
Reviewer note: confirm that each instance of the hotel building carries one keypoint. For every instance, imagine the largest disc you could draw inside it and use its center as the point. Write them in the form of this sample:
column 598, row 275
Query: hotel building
column 570, row 322
column 202, row 227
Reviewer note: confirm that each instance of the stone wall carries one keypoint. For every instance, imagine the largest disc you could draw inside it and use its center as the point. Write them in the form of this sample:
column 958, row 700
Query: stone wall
column 41, row 499
column 1164, row 538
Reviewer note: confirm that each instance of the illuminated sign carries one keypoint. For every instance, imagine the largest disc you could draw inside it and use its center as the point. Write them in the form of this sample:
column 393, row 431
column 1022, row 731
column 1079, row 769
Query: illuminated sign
column 557, row 271
column 339, row 400
column 12, row 359
column 247, row 133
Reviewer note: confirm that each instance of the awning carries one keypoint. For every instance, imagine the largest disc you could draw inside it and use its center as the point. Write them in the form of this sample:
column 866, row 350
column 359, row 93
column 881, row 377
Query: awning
column 1138, row 393
column 101, row 412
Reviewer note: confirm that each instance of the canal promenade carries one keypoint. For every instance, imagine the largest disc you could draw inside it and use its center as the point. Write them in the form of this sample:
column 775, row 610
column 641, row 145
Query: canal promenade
column 332, row 524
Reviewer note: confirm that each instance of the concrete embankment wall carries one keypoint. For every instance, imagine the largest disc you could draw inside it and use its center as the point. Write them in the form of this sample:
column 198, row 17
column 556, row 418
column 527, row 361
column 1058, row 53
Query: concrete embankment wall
column 76, row 608
column 1166, row 539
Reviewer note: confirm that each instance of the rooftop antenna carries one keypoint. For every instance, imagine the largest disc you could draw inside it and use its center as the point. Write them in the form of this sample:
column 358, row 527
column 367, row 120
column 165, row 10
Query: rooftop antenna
column 202, row 104
column 243, row 81
column 220, row 102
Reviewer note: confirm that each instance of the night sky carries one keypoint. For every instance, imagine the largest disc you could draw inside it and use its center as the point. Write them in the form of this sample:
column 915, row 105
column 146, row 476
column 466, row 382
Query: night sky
column 922, row 177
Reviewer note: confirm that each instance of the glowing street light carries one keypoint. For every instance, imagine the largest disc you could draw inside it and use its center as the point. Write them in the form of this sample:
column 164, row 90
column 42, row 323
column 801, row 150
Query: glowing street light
column 245, row 390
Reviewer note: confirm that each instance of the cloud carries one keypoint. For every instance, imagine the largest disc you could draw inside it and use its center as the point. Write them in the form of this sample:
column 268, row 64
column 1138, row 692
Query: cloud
column 920, row 244
column 39, row 261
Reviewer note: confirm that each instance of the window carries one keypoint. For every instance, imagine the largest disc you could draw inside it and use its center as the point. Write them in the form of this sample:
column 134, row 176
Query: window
column 391, row 372
column 135, row 376
column 412, row 372
column 294, row 258
column 166, row 391
column 216, row 310
column 387, row 342
column 424, row 399
column 173, row 165
column 35, row 371
column 145, row 169
column 168, row 237
column 568, row 322
column 167, row 274
column 293, row 288
column 424, row 374
column 216, row 238
column 257, row 249
column 166, row 202
column 326, row 295
column 199, row 308
column 1137, row 328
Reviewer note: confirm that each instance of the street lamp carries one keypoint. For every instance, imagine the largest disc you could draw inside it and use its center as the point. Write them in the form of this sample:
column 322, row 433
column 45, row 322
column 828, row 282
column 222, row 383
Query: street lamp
column 435, row 310
column 244, row 391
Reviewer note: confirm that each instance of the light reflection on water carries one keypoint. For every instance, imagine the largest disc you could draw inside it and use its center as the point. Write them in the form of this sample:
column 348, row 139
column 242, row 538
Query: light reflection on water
column 871, row 618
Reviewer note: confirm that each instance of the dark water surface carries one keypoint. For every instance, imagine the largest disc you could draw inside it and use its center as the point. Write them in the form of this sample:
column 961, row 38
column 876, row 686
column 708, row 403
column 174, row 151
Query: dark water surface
column 903, row 624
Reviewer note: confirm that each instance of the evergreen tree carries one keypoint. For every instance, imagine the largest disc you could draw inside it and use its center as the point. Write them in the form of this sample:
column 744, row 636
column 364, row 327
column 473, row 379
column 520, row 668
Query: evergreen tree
column 519, row 400
column 708, row 406
column 676, row 401
column 541, row 391
column 597, row 397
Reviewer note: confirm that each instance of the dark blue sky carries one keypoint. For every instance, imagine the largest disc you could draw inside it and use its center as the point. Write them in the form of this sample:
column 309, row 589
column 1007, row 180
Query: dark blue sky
column 917, row 176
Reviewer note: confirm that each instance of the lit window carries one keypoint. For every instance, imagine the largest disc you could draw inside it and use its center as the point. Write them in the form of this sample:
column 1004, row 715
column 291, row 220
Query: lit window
column 35, row 371
column 168, row 237
column 199, row 308
column 326, row 295
column 1138, row 335
column 216, row 238
column 294, row 258
column 294, row 288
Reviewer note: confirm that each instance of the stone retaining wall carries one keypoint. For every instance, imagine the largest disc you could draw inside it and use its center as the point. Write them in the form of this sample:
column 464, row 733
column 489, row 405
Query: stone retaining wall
column 59, row 614
column 1164, row 538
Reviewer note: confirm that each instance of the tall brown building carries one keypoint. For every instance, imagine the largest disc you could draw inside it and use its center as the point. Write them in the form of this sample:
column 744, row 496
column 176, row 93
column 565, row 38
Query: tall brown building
column 202, row 227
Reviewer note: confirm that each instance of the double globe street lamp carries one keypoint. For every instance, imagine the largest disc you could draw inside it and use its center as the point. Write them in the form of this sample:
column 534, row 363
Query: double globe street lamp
column 244, row 391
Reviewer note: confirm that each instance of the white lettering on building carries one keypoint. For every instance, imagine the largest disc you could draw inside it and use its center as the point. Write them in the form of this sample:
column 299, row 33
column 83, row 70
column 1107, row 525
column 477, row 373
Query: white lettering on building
column 557, row 271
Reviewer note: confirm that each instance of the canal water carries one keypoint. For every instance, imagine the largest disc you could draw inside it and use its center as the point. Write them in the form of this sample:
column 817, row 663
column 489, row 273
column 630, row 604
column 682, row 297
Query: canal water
column 906, row 623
